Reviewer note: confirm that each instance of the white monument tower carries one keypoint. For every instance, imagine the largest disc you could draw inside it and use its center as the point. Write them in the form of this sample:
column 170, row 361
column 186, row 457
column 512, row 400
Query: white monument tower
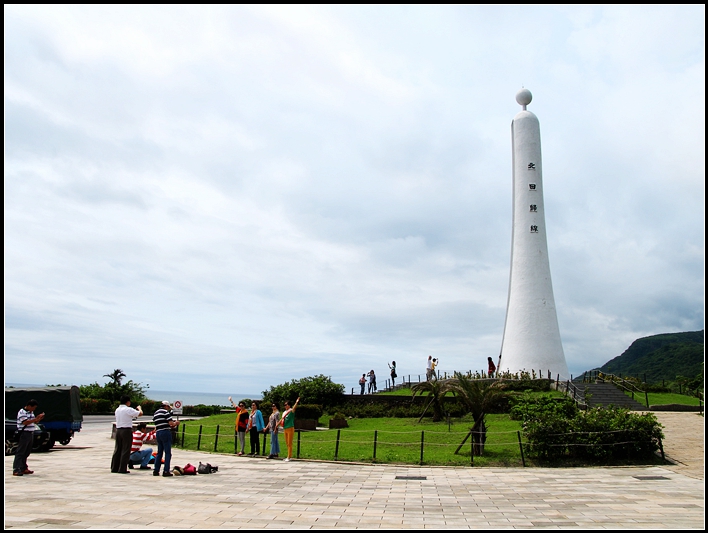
column 531, row 335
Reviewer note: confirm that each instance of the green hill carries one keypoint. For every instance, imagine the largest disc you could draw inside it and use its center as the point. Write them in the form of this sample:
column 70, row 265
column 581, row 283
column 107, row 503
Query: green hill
column 661, row 357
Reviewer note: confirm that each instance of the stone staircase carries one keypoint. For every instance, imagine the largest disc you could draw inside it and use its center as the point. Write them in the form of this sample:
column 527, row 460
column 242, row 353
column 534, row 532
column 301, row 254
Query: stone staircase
column 604, row 394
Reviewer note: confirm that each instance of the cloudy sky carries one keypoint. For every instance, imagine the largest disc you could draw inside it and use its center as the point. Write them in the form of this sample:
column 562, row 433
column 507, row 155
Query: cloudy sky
column 226, row 198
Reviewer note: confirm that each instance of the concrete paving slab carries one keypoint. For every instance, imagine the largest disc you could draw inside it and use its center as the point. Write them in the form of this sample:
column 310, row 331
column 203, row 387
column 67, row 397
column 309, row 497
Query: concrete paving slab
column 74, row 489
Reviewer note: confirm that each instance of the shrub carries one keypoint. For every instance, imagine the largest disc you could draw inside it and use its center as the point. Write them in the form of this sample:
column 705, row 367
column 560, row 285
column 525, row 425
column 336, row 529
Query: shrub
column 201, row 410
column 555, row 428
column 308, row 412
column 318, row 390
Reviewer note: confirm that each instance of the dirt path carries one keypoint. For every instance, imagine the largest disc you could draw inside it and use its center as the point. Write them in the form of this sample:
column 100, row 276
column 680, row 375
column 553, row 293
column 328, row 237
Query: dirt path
column 684, row 442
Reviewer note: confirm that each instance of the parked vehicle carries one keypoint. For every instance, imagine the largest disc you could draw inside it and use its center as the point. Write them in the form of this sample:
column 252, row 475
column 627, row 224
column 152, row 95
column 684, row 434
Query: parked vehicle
column 61, row 407
column 41, row 442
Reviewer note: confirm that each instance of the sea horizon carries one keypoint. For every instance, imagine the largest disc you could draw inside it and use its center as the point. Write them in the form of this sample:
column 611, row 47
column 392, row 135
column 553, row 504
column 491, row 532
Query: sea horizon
column 187, row 398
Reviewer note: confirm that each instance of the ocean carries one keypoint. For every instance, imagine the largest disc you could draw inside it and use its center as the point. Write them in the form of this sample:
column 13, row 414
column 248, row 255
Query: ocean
column 187, row 398
column 196, row 398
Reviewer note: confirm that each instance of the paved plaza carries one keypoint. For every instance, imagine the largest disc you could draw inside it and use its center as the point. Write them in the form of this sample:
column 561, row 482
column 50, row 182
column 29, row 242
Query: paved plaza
column 72, row 488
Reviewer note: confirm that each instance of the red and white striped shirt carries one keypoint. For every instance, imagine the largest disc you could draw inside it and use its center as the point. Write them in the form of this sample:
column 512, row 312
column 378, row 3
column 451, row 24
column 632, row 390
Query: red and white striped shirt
column 139, row 438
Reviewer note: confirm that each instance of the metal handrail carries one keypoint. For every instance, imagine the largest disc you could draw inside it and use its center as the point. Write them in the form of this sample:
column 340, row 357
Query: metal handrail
column 623, row 384
column 570, row 389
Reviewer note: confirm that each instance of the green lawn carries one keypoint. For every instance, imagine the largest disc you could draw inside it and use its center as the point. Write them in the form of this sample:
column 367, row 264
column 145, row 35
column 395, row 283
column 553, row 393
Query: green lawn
column 664, row 398
column 398, row 440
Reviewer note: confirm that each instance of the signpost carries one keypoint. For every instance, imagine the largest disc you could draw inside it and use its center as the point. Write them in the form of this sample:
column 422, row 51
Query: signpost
column 177, row 407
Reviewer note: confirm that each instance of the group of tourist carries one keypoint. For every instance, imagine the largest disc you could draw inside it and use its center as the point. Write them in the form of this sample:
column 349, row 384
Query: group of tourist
column 251, row 422
column 129, row 442
column 372, row 379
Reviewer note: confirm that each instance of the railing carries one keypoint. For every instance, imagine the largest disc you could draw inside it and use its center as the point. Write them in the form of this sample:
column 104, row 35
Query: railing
column 571, row 390
column 624, row 384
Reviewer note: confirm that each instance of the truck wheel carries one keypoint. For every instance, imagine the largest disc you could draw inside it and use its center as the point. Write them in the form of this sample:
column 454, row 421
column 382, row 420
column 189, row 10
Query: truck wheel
column 10, row 447
column 65, row 441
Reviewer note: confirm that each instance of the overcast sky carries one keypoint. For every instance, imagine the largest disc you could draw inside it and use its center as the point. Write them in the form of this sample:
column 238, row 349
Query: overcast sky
column 227, row 198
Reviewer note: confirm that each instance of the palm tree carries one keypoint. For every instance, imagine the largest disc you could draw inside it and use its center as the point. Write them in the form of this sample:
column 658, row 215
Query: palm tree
column 116, row 376
column 436, row 389
column 477, row 396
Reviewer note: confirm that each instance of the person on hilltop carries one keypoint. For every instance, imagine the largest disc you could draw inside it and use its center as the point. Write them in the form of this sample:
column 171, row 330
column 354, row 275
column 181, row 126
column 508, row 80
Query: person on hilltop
column 392, row 366
column 26, row 421
column 255, row 426
column 372, row 381
column 140, row 435
column 241, row 423
column 433, row 375
column 429, row 368
column 491, row 367
column 362, row 383
column 288, row 423
column 124, row 435
column 273, row 423
column 163, row 434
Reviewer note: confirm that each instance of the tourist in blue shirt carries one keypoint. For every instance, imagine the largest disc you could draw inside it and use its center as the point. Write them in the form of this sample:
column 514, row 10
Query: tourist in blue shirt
column 255, row 426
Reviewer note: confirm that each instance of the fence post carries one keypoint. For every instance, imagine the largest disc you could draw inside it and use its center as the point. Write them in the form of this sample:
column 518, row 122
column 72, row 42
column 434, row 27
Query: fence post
column 472, row 451
column 336, row 446
column 298, row 443
column 216, row 438
column 199, row 440
column 422, row 439
column 376, row 434
column 182, row 435
column 646, row 397
column 521, row 449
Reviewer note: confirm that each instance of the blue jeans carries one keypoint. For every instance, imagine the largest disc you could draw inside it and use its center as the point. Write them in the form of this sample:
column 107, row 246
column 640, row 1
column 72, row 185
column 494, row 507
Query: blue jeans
column 274, row 444
column 141, row 456
column 164, row 444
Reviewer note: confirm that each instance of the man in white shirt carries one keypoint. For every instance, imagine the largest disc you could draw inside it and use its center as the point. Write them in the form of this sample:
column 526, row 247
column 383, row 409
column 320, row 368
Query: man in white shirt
column 124, row 435
column 429, row 368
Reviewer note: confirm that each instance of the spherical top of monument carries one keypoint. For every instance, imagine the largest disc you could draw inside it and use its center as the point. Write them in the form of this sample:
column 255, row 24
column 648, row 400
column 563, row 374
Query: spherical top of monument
column 524, row 97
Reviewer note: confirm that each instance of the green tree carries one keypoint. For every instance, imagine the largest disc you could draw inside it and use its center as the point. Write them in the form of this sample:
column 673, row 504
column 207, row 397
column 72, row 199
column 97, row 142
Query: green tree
column 116, row 377
column 436, row 389
column 478, row 396
column 115, row 388
column 320, row 390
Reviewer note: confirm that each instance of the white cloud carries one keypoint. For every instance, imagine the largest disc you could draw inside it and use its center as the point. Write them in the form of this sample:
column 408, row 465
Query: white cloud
column 273, row 192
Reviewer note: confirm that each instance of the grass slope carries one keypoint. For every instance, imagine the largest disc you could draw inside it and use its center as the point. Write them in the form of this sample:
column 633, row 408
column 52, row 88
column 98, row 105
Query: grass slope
column 661, row 357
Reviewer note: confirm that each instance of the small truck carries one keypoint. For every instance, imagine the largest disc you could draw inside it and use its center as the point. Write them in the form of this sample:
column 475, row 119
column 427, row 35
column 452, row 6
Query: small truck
column 62, row 413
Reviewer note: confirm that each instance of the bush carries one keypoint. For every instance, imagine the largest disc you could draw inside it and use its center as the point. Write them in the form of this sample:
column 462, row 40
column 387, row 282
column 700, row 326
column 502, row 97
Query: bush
column 308, row 412
column 201, row 410
column 318, row 390
column 555, row 428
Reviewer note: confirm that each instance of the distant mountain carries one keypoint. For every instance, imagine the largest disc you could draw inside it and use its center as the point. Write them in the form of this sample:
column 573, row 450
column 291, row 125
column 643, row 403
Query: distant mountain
column 660, row 357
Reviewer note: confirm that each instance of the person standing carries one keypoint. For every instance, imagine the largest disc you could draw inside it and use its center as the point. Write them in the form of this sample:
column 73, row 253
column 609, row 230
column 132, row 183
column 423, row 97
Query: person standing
column 124, row 435
column 241, row 423
column 392, row 366
column 273, row 423
column 255, row 426
column 429, row 368
column 163, row 434
column 25, row 426
column 362, row 383
column 433, row 374
column 137, row 455
column 288, row 423
column 372, row 381
column 491, row 367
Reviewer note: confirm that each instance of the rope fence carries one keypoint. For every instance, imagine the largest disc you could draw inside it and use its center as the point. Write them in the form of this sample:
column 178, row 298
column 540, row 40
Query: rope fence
column 328, row 445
